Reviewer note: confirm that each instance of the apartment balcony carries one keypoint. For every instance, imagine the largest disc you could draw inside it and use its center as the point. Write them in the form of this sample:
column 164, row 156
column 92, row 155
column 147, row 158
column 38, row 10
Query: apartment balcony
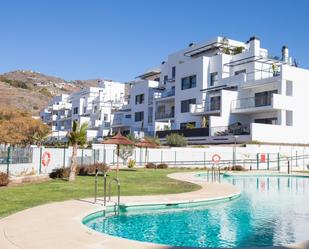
column 235, row 129
column 164, row 94
column 121, row 121
column 206, row 108
column 162, row 116
column 262, row 104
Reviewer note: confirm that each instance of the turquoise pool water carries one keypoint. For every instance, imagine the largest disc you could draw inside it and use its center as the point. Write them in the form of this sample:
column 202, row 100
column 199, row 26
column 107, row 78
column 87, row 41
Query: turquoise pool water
column 270, row 211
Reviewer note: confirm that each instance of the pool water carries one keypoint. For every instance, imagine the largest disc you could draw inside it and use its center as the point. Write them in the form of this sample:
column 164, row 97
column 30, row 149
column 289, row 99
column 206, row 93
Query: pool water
column 271, row 211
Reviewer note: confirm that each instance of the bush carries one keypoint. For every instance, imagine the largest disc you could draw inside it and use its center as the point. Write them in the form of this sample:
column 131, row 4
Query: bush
column 238, row 168
column 60, row 173
column 4, row 179
column 176, row 140
column 131, row 163
column 235, row 168
column 150, row 166
column 162, row 166
column 91, row 169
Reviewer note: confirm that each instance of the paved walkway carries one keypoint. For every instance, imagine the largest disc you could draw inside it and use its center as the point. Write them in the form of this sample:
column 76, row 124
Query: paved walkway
column 58, row 225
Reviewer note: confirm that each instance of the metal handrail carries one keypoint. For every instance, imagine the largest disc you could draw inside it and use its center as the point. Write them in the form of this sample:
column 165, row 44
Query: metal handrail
column 118, row 193
column 96, row 186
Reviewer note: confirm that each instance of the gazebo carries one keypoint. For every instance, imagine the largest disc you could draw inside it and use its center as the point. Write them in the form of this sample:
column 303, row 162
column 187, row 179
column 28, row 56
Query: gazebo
column 145, row 143
column 118, row 140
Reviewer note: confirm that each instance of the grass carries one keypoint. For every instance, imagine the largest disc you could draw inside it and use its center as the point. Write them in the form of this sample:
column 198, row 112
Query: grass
column 140, row 182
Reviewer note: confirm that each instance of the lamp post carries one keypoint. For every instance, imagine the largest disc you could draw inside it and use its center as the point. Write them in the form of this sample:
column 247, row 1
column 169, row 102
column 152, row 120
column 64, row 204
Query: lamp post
column 234, row 150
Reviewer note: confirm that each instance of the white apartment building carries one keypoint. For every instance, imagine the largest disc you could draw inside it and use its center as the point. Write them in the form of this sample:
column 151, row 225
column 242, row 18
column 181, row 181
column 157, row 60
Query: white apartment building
column 93, row 105
column 221, row 91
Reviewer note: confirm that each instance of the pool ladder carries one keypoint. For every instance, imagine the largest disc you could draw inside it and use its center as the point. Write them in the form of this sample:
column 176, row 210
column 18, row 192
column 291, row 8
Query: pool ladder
column 116, row 206
column 213, row 174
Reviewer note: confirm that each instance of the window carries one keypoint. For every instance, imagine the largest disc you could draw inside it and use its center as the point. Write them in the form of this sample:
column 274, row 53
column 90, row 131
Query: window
column 150, row 111
column 128, row 116
column 185, row 105
column 266, row 121
column 289, row 118
column 173, row 72
column 95, row 109
column 139, row 99
column 184, row 126
column 139, row 116
column 215, row 103
column 105, row 118
column 75, row 110
column 213, row 79
column 264, row 98
column 188, row 82
column 240, row 72
column 165, row 79
column 289, row 88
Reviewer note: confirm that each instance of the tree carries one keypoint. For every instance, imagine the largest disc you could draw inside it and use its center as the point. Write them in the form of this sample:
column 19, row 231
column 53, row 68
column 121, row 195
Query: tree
column 125, row 151
column 77, row 137
column 18, row 127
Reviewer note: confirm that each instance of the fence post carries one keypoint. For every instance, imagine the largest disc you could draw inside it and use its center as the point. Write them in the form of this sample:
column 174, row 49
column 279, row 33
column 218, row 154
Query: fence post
column 82, row 159
column 93, row 156
column 257, row 161
column 40, row 168
column 104, row 155
column 267, row 161
column 175, row 157
column 113, row 156
column 204, row 159
column 296, row 159
column 161, row 156
column 278, row 161
column 64, row 157
column 8, row 161
column 288, row 166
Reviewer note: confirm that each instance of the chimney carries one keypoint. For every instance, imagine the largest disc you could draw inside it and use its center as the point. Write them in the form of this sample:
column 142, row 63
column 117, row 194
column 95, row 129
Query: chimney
column 285, row 54
column 254, row 45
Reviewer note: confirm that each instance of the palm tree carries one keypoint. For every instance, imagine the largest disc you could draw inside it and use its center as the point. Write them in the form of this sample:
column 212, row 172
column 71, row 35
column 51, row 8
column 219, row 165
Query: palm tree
column 77, row 137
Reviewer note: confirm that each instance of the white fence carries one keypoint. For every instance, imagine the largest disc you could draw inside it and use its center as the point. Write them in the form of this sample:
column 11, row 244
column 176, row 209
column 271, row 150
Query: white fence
column 251, row 156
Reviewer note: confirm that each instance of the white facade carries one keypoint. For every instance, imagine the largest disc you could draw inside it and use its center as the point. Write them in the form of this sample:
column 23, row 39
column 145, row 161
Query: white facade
column 93, row 105
column 235, row 90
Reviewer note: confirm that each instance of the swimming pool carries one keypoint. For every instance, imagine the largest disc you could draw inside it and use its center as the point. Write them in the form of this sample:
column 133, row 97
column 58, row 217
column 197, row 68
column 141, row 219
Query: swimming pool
column 272, row 210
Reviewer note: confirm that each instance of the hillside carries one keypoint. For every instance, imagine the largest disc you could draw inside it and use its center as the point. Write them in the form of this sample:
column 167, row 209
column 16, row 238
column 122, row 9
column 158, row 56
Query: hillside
column 31, row 91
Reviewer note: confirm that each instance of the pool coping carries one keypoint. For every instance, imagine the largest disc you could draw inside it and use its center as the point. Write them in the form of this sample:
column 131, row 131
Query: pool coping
column 59, row 224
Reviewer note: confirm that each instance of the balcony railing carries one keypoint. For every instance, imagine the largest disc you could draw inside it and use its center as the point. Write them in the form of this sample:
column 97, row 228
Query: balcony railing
column 252, row 102
column 209, row 106
column 233, row 129
column 164, row 115
column 165, row 94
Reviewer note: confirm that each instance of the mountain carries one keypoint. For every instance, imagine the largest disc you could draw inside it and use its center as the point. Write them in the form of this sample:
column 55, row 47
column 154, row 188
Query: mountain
column 31, row 91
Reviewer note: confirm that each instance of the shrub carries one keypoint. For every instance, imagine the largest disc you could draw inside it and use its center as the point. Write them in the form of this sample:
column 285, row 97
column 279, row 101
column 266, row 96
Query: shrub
column 162, row 166
column 235, row 168
column 176, row 140
column 131, row 163
column 150, row 166
column 60, row 173
column 4, row 179
column 238, row 168
column 91, row 169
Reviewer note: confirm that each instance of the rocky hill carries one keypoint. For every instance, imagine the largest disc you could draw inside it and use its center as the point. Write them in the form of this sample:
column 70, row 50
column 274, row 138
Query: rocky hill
column 31, row 91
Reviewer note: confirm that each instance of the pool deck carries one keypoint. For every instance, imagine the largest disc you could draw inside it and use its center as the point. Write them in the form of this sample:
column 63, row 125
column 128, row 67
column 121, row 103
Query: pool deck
column 58, row 225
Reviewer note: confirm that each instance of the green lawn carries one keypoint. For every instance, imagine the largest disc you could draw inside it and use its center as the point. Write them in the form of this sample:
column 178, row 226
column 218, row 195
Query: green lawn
column 140, row 182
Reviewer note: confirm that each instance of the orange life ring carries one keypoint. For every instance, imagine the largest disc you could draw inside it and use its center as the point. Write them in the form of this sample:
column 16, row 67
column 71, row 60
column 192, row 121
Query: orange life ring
column 46, row 157
column 216, row 158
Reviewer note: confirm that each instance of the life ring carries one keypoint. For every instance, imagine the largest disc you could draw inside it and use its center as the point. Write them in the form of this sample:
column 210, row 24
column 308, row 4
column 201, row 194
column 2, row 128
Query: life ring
column 216, row 158
column 46, row 157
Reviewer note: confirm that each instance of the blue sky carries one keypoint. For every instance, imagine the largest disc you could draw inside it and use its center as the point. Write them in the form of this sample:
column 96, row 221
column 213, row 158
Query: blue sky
column 118, row 40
